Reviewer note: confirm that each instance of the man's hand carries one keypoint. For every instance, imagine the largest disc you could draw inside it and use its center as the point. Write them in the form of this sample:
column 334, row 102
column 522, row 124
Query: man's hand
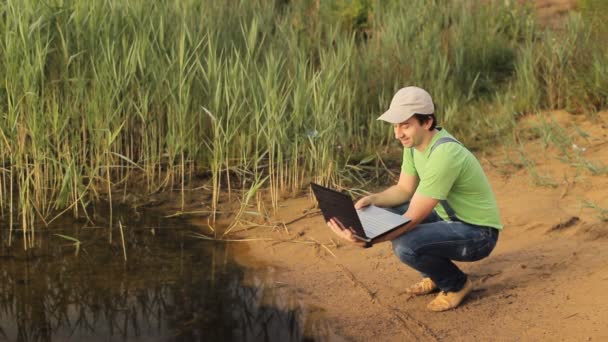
column 364, row 202
column 347, row 234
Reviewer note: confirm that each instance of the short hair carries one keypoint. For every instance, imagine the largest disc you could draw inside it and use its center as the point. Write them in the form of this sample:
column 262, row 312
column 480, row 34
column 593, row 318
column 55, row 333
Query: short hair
column 423, row 118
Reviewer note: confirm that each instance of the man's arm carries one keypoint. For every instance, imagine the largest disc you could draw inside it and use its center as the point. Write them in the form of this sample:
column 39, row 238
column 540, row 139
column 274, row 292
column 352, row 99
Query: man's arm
column 420, row 207
column 392, row 196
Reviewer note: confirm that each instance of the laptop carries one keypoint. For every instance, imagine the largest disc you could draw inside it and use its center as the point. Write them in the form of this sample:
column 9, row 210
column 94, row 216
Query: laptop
column 369, row 223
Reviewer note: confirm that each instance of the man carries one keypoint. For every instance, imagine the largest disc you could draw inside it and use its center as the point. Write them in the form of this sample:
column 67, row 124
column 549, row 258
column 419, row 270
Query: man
column 451, row 205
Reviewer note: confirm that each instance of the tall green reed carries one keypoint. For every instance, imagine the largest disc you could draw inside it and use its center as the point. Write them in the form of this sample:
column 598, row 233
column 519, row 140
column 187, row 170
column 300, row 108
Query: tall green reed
column 259, row 96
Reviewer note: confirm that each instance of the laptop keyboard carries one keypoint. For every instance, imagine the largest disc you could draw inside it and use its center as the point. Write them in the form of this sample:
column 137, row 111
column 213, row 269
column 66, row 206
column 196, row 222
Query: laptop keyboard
column 372, row 226
column 379, row 221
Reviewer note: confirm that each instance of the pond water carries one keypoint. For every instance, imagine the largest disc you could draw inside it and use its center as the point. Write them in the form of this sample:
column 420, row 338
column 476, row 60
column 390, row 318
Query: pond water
column 173, row 287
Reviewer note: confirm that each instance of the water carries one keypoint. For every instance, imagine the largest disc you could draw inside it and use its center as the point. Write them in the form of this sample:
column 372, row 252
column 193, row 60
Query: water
column 171, row 288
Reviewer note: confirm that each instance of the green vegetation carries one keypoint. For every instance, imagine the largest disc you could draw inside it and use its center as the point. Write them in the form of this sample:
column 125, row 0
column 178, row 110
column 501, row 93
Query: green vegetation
column 257, row 94
column 602, row 213
column 74, row 242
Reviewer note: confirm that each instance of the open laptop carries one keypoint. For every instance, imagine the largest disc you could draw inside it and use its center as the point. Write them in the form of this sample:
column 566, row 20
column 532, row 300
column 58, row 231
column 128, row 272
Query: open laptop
column 369, row 223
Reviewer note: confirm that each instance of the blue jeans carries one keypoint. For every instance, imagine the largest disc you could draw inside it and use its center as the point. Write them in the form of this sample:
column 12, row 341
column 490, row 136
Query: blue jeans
column 431, row 246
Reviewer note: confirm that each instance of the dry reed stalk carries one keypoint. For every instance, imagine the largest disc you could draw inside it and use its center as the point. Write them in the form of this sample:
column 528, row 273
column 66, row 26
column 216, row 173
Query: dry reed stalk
column 122, row 239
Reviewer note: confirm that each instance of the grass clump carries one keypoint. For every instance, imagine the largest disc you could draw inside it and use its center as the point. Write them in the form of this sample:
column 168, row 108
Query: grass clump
column 602, row 213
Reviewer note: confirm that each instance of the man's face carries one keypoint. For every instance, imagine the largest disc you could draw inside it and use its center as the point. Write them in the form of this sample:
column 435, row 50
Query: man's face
column 410, row 133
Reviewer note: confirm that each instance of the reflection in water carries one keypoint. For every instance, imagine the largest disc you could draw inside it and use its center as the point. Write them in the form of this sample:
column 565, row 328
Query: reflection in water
column 172, row 287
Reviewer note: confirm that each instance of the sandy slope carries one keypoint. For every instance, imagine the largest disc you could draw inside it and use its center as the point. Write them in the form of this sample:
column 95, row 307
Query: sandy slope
column 552, row 12
column 546, row 280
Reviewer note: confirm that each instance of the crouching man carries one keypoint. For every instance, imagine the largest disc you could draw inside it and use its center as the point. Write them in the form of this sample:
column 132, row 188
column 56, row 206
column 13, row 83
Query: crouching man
column 444, row 191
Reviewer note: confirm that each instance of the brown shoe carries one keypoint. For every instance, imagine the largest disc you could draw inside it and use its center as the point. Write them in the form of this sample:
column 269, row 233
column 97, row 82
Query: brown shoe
column 425, row 286
column 449, row 300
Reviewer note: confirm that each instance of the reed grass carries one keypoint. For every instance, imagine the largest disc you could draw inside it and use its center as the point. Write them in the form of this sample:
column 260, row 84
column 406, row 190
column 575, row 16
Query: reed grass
column 262, row 96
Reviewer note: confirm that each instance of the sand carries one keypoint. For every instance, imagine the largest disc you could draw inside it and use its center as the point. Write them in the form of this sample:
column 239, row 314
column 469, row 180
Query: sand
column 546, row 279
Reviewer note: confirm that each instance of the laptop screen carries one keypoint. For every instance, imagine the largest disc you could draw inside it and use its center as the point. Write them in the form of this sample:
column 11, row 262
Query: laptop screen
column 338, row 205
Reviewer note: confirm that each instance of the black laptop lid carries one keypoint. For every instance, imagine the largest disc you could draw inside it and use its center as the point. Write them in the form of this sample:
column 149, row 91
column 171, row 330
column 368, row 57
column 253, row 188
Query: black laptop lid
column 339, row 205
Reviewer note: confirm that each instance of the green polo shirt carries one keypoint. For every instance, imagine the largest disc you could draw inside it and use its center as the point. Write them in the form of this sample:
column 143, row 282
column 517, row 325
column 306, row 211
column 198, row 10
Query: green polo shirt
column 452, row 172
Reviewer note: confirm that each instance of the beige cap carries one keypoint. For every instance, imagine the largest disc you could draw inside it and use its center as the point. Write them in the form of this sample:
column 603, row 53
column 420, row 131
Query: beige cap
column 407, row 102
